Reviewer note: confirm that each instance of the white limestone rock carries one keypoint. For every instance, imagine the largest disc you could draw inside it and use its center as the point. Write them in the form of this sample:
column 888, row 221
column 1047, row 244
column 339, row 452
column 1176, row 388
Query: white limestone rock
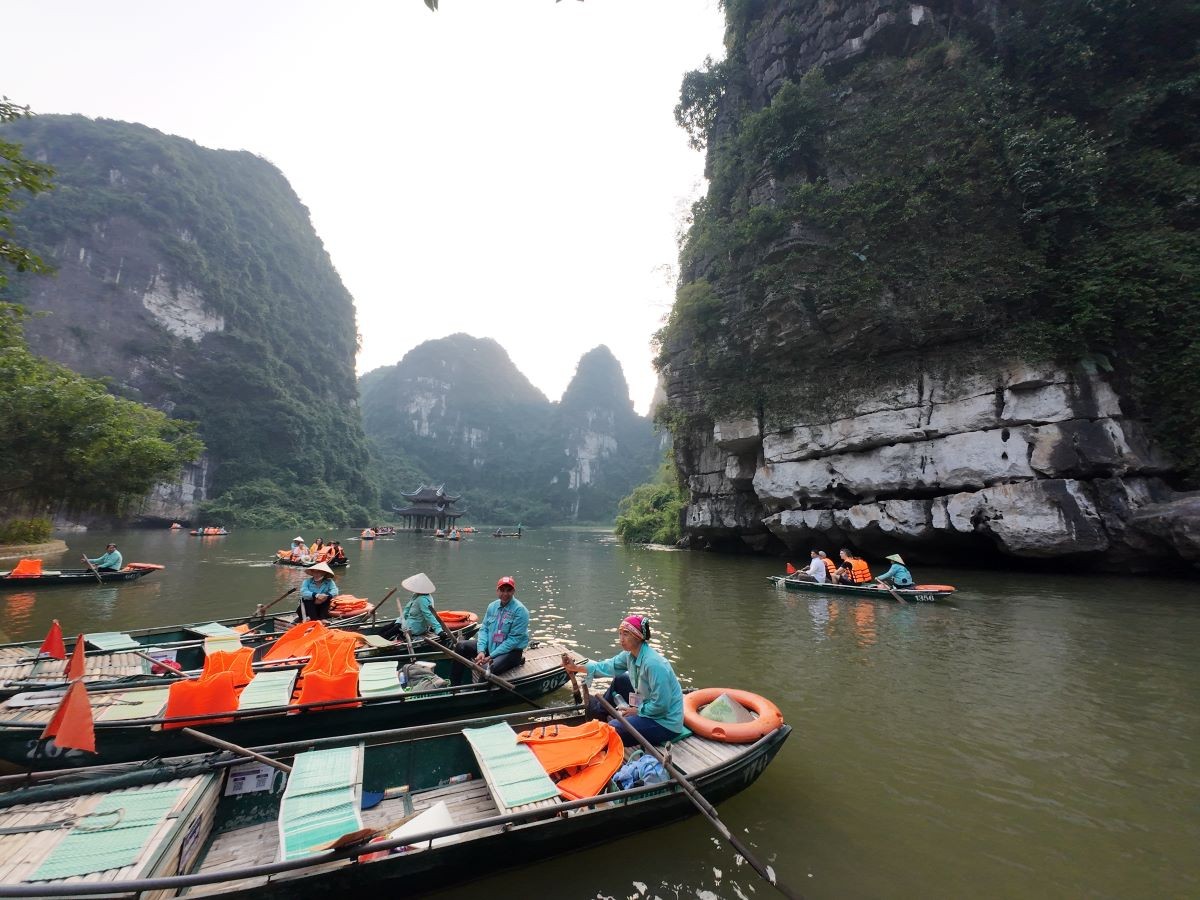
column 180, row 308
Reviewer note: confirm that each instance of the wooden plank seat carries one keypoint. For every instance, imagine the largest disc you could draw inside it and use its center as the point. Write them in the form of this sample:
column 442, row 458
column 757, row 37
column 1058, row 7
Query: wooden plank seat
column 321, row 801
column 512, row 772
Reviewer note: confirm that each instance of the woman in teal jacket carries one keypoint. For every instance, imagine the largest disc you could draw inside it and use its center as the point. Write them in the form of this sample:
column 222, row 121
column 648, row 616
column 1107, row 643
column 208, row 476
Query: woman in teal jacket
column 644, row 680
column 420, row 620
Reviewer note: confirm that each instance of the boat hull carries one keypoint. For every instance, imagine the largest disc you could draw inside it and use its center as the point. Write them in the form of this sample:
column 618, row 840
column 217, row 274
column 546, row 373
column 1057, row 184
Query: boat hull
column 919, row 594
column 339, row 564
column 137, row 739
column 422, row 759
column 65, row 577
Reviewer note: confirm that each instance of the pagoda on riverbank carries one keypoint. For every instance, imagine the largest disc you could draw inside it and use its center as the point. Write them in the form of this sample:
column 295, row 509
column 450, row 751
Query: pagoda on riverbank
column 428, row 507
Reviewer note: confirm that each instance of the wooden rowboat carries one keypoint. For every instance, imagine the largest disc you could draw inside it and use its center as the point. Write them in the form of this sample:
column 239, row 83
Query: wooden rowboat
column 131, row 724
column 217, row 825
column 333, row 564
column 53, row 577
column 112, row 658
column 920, row 593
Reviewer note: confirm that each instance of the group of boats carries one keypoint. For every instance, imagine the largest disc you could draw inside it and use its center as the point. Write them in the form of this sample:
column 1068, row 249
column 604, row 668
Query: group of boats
column 264, row 757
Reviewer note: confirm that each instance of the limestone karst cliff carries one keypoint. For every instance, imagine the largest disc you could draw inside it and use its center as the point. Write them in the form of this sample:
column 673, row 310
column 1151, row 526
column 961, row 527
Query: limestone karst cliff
column 936, row 299
column 459, row 411
column 193, row 280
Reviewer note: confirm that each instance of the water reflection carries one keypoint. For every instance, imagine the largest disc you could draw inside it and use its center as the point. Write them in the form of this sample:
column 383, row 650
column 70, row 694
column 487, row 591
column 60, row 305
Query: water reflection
column 1036, row 735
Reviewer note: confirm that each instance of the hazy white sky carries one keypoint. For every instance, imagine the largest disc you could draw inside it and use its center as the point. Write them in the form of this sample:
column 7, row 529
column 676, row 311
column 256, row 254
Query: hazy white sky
column 506, row 168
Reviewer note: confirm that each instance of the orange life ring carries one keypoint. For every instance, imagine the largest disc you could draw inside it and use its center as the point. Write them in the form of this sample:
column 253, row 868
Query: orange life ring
column 768, row 716
column 454, row 619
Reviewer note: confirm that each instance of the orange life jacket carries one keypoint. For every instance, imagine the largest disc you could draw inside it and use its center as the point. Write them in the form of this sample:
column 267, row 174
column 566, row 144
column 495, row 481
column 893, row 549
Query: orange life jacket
column 830, row 568
column 860, row 572
column 580, row 758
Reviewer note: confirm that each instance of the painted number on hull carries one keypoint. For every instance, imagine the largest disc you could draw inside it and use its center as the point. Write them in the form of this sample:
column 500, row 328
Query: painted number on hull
column 38, row 749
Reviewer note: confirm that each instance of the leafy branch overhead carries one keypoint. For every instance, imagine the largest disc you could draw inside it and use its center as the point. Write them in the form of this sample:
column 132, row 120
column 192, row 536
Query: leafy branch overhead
column 17, row 174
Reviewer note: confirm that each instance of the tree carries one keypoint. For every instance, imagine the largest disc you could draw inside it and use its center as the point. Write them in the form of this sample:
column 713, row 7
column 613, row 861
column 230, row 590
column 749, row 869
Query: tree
column 17, row 174
column 65, row 440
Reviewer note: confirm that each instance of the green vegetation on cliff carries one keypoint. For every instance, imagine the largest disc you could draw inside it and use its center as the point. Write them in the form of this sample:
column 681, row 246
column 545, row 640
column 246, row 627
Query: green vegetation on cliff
column 652, row 514
column 1033, row 191
column 65, row 442
column 272, row 388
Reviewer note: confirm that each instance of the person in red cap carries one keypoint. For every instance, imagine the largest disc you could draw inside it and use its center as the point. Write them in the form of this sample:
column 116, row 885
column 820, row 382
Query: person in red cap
column 644, row 681
column 502, row 637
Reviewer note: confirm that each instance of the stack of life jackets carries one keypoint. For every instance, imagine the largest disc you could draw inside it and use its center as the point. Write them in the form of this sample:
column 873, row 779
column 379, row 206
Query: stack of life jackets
column 580, row 759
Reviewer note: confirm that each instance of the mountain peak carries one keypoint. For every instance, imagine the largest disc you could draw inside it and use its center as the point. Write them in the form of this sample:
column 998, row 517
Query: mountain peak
column 599, row 381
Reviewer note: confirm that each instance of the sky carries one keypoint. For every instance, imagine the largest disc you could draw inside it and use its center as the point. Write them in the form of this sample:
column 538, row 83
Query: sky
column 506, row 168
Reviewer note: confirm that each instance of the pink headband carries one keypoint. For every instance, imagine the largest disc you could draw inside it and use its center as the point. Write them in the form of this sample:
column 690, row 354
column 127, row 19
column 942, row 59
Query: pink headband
column 635, row 626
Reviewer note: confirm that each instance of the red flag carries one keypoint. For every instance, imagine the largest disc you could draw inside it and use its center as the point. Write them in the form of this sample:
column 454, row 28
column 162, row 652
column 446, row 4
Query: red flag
column 75, row 666
column 791, row 570
column 72, row 727
column 53, row 645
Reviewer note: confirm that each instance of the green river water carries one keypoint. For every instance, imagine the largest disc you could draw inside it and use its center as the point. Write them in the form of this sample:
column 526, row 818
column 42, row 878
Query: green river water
column 1034, row 736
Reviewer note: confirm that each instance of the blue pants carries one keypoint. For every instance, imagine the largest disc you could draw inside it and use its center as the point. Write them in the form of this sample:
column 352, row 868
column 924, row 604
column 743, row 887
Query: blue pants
column 648, row 728
column 460, row 674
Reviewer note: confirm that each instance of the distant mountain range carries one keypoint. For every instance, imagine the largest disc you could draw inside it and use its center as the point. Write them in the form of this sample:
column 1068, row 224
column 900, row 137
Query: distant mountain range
column 458, row 411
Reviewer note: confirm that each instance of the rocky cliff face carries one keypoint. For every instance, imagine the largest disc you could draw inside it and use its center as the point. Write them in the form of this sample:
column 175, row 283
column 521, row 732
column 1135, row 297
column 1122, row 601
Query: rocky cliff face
column 193, row 281
column 463, row 414
column 924, row 445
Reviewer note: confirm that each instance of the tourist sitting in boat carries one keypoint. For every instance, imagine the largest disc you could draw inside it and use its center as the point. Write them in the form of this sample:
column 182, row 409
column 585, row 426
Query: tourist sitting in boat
column 420, row 619
column 853, row 570
column 316, row 551
column 299, row 550
column 644, row 681
column 337, row 554
column 502, row 638
column 830, row 568
column 898, row 575
column 109, row 561
column 815, row 572
column 316, row 592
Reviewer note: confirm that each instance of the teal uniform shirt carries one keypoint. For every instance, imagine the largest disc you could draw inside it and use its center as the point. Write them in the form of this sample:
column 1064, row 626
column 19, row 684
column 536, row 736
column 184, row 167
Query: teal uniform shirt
column 897, row 575
column 419, row 619
column 504, row 628
column 653, row 679
column 110, row 560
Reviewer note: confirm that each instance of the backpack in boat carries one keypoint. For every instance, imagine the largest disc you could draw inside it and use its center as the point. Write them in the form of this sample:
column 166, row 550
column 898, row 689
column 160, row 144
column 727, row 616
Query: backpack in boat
column 421, row 677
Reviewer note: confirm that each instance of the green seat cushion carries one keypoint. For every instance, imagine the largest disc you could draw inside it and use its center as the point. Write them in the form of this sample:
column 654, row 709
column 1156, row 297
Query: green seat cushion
column 112, row 836
column 322, row 799
column 270, row 688
column 214, row 629
column 510, row 769
column 379, row 679
column 111, row 640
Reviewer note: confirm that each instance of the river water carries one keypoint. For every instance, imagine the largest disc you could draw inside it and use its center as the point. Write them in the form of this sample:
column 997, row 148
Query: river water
column 1034, row 736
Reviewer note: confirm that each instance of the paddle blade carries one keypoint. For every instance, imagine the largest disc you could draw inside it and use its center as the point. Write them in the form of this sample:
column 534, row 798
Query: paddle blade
column 75, row 666
column 53, row 646
column 791, row 570
column 72, row 727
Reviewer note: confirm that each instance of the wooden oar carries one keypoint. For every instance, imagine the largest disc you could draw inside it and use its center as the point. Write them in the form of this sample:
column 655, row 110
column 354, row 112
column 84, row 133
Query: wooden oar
column 889, row 589
column 261, row 610
column 234, row 748
column 494, row 679
column 95, row 571
column 575, row 692
column 701, row 804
